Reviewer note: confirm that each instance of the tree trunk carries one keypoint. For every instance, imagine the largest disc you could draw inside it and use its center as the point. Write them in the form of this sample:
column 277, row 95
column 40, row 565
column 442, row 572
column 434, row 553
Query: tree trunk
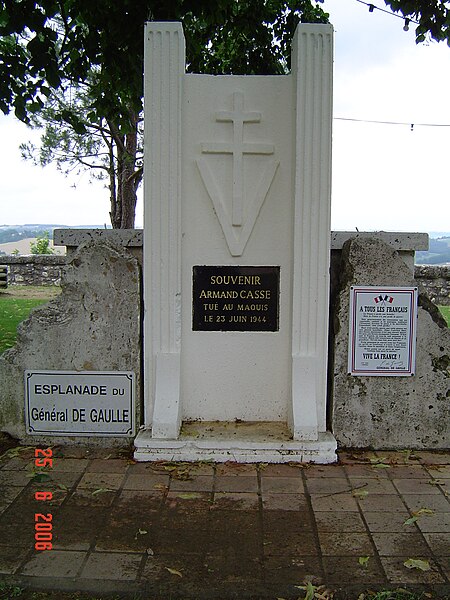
column 127, row 178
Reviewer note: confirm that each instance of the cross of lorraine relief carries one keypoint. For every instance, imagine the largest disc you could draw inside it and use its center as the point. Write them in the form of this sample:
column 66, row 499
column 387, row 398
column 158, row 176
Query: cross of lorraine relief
column 238, row 216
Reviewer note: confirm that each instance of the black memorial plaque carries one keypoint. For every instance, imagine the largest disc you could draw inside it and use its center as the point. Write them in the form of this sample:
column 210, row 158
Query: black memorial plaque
column 235, row 298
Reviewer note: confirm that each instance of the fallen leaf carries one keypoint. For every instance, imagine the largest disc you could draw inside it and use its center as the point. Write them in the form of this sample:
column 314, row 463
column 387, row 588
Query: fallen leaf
column 360, row 493
column 417, row 563
column 150, row 552
column 189, row 496
column 101, row 491
column 173, row 571
column 160, row 486
column 140, row 532
column 437, row 482
column 381, row 466
column 417, row 513
column 363, row 561
column 310, row 590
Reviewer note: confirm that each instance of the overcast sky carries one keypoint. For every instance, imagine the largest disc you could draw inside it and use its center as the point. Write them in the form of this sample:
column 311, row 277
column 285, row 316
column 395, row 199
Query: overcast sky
column 384, row 176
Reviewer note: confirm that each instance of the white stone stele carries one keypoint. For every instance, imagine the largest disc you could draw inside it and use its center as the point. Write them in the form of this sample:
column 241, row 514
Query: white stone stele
column 237, row 173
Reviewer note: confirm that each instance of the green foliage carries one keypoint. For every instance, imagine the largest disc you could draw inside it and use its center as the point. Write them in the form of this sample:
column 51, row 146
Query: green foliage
column 12, row 312
column 47, row 45
column 433, row 17
column 41, row 245
column 75, row 67
column 445, row 311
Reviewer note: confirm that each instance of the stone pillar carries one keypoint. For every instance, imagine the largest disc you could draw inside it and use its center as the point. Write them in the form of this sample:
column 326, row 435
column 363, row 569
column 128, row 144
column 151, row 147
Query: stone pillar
column 312, row 66
column 164, row 67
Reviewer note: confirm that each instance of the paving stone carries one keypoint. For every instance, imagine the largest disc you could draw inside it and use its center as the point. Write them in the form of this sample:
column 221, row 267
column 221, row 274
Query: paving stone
column 398, row 574
column 227, row 567
column 184, row 504
column 275, row 470
column 150, row 500
column 11, row 557
column 286, row 502
column 77, row 529
column 437, row 523
column 198, row 483
column 128, row 532
column 293, row 570
column 327, row 485
column 340, row 522
column 325, row 471
column 111, row 481
column 91, row 497
column 281, row 485
column 444, row 563
column 341, row 570
column 17, row 526
column 355, row 456
column 338, row 502
column 231, row 469
column 374, row 486
column 436, row 502
column 439, row 543
column 439, row 471
column 9, row 493
column 15, row 464
column 54, row 563
column 147, row 468
column 115, row 566
column 350, row 544
column 235, row 501
column 382, row 502
column 400, row 544
column 410, row 472
column 14, row 478
column 70, row 465
column 365, row 471
column 146, row 482
column 281, row 521
column 291, row 543
column 433, row 458
column 236, row 484
column 415, row 486
column 381, row 522
column 111, row 465
column 150, row 527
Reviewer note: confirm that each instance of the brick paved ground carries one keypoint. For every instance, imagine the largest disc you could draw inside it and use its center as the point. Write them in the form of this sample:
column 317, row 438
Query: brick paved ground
column 229, row 530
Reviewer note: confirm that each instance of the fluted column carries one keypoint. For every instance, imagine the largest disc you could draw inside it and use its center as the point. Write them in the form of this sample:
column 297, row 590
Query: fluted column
column 164, row 68
column 312, row 65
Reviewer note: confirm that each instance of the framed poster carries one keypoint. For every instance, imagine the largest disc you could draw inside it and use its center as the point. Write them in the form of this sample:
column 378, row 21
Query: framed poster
column 382, row 331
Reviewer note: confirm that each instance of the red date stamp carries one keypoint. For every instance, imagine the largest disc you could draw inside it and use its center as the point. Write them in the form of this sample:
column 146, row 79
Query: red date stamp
column 43, row 526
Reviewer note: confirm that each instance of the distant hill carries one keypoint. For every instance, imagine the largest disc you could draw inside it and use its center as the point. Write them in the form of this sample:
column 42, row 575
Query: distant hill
column 20, row 236
column 438, row 253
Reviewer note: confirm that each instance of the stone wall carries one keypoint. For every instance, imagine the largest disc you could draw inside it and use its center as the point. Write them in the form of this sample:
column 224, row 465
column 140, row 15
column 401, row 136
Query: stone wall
column 434, row 281
column 34, row 269
column 388, row 412
column 96, row 325
column 93, row 325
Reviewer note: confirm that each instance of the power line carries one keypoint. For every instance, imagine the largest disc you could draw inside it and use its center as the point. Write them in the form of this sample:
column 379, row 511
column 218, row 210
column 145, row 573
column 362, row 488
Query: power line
column 409, row 124
column 373, row 7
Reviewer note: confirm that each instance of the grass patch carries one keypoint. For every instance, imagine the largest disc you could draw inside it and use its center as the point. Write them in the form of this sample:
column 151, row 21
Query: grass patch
column 445, row 311
column 16, row 304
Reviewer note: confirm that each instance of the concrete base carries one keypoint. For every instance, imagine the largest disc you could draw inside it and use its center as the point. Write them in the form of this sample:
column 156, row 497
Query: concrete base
column 247, row 442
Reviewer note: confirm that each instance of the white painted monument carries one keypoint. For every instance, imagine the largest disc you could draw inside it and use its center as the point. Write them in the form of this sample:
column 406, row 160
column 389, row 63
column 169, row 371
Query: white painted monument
column 236, row 256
